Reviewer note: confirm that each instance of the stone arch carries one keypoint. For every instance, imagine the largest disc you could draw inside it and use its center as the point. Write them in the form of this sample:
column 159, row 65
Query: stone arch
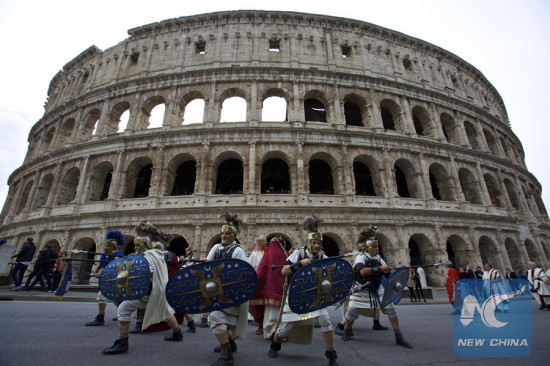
column 316, row 106
column 54, row 244
column 289, row 241
column 488, row 249
column 65, row 133
column 391, row 115
column 178, row 246
column 229, row 174
column 512, row 193
column 67, row 186
column 275, row 105
column 448, row 126
column 514, row 255
column 47, row 139
column 406, row 179
column 355, row 110
column 332, row 244
column 43, row 191
column 181, row 175
column 234, row 106
column 24, row 197
column 367, row 178
column 533, row 252
column 191, row 108
column 494, row 191
column 471, row 134
column 138, row 178
column 441, row 182
column 275, row 177
column 419, row 247
column 99, row 182
column 469, row 186
column 82, row 269
column 491, row 142
column 321, row 174
column 143, row 120
column 386, row 250
column 456, row 248
column 114, row 123
column 422, row 121
column 90, row 125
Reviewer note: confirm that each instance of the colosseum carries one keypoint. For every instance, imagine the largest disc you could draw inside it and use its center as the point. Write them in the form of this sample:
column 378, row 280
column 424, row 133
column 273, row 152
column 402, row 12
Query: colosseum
column 353, row 122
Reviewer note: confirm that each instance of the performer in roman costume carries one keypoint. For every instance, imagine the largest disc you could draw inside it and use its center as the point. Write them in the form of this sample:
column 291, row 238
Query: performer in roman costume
column 257, row 312
column 539, row 287
column 155, row 304
column 369, row 268
column 114, row 239
column 266, row 303
column 228, row 324
column 298, row 328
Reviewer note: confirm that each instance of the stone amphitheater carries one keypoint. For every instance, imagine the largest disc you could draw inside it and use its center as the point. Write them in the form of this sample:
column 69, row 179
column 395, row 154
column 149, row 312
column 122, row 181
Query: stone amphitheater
column 369, row 126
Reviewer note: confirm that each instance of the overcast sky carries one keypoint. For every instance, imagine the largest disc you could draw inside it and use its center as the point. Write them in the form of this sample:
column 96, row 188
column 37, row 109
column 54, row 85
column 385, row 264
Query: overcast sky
column 508, row 41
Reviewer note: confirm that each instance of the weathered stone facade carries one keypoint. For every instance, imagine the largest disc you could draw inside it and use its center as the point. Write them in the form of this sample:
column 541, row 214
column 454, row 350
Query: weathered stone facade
column 380, row 128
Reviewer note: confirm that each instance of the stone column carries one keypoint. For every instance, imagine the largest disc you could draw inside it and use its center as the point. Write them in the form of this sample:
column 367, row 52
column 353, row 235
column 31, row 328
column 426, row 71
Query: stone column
column 102, row 125
column 425, row 178
column 117, row 183
column 79, row 197
column 36, row 184
column 483, row 186
column 455, row 179
column 156, row 175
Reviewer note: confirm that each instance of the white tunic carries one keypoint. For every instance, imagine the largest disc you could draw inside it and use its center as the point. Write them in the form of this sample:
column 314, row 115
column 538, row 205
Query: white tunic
column 235, row 317
column 538, row 279
column 255, row 258
column 289, row 315
column 361, row 299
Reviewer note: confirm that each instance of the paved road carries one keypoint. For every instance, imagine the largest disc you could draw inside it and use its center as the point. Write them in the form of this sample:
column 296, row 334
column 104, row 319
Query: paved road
column 52, row 333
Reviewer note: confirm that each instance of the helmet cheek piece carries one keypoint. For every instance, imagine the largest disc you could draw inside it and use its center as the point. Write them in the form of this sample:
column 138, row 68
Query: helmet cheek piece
column 372, row 245
column 143, row 243
column 110, row 246
column 313, row 236
column 232, row 231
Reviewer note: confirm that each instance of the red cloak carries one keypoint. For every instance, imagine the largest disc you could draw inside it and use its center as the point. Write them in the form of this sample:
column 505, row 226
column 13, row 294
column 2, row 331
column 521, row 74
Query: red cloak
column 452, row 278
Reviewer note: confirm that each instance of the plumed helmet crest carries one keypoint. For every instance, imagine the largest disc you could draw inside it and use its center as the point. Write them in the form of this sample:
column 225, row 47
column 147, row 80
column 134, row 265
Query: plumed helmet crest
column 145, row 228
column 367, row 233
column 116, row 235
column 232, row 220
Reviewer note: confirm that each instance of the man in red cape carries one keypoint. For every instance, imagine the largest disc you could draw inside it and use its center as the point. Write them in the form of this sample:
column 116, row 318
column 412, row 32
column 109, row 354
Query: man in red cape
column 452, row 278
column 266, row 303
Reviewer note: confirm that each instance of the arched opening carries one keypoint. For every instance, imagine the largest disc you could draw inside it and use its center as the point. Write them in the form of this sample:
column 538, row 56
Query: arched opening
column 274, row 109
column 471, row 134
column 43, row 191
column 320, row 177
column 493, row 190
column 194, row 112
column 24, row 197
column 229, row 177
column 330, row 247
column 512, row 193
column 138, row 178
column 440, row 182
column 100, row 182
column 315, row 110
column 143, row 181
column 406, row 179
column 178, row 246
column 82, row 269
column 469, row 186
column 67, row 186
column 401, row 182
column 421, row 121
column 90, row 125
column 414, row 253
column 65, row 133
column 353, row 114
column 233, row 110
column 156, row 117
column 363, row 180
column 491, row 142
column 184, row 180
column 451, row 255
column 123, row 121
column 275, row 177
column 449, row 128
column 514, row 255
column 489, row 252
column 387, row 119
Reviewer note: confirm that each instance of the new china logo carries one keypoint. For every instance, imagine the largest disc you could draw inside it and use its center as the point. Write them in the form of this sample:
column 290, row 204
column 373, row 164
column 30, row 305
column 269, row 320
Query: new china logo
column 492, row 318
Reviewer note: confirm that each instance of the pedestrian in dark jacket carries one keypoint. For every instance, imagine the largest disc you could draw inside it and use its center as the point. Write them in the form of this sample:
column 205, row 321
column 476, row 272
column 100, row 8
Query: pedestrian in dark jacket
column 23, row 259
column 48, row 259
column 35, row 271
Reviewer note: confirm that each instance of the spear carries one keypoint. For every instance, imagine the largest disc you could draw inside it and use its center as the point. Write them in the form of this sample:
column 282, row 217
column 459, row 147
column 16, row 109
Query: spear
column 76, row 251
column 316, row 260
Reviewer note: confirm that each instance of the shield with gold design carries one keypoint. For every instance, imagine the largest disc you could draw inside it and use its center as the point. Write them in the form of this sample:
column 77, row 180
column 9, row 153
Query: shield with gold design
column 393, row 286
column 319, row 284
column 126, row 278
column 211, row 286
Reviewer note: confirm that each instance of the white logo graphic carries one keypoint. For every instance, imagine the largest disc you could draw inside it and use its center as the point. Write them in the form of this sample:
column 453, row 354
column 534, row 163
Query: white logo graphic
column 487, row 310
